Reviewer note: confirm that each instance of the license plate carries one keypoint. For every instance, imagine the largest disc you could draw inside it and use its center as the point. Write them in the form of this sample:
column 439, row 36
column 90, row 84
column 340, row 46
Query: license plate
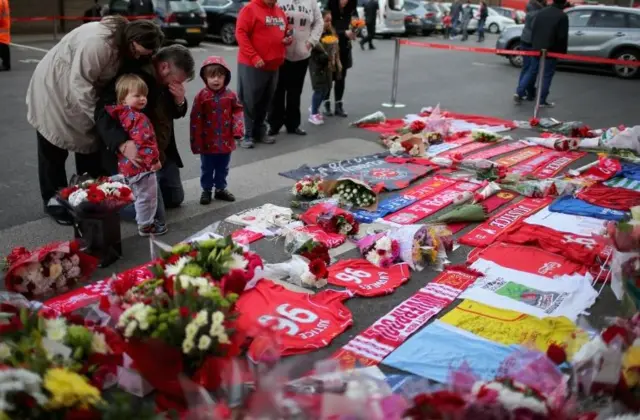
column 193, row 30
column 438, row 27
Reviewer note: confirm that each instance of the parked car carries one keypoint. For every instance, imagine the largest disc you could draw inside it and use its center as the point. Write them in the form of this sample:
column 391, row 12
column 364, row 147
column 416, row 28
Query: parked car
column 495, row 22
column 594, row 31
column 221, row 18
column 393, row 15
column 421, row 18
column 508, row 12
column 179, row 19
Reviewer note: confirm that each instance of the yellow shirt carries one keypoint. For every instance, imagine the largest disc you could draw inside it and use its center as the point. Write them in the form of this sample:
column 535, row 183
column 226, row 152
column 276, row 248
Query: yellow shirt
column 511, row 327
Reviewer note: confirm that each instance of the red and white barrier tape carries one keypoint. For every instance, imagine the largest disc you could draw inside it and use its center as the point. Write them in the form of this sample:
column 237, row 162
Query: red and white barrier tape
column 51, row 18
column 483, row 50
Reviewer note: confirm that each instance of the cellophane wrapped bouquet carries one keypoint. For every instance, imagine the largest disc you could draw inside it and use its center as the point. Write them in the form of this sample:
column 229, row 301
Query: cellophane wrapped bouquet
column 485, row 136
column 299, row 270
column 308, row 188
column 331, row 218
column 352, row 192
column 86, row 196
column 407, row 144
column 625, row 262
column 422, row 245
column 52, row 268
column 380, row 249
column 301, row 243
column 330, row 45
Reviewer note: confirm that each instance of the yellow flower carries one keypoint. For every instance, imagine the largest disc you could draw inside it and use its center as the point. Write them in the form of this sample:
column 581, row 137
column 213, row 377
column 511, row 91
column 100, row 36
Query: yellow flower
column 631, row 366
column 329, row 39
column 69, row 390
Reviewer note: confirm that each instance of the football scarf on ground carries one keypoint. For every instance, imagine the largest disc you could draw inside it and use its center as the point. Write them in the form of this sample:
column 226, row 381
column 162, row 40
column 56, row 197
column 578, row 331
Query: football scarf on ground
column 490, row 204
column 403, row 199
column 520, row 156
column 373, row 344
column 486, row 233
column 557, row 164
column 306, row 322
column 527, row 259
column 437, row 149
column 570, row 205
column 365, row 279
column 530, row 165
column 439, row 349
column 605, row 169
column 467, row 148
column 372, row 169
column 576, row 225
column 620, row 182
column 533, row 294
column 431, row 204
column 611, row 198
column 510, row 327
column 497, row 151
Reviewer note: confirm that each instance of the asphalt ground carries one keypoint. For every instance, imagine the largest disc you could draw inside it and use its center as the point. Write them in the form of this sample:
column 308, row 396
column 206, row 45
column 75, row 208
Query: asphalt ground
column 458, row 81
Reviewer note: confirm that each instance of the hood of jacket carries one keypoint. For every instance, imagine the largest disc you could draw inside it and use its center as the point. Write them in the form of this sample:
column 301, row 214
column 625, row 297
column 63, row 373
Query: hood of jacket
column 214, row 59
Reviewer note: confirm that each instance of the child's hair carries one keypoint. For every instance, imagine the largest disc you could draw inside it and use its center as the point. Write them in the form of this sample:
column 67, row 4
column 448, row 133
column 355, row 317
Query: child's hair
column 324, row 14
column 214, row 70
column 130, row 83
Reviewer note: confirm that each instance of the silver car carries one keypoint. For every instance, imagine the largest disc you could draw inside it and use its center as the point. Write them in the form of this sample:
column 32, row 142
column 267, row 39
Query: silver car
column 594, row 31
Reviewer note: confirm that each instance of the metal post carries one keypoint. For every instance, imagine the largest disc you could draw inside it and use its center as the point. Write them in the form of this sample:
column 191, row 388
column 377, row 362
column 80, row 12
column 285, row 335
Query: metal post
column 543, row 59
column 55, row 29
column 394, row 83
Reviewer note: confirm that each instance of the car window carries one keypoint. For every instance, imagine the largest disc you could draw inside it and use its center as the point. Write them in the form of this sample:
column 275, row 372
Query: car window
column 184, row 5
column 215, row 3
column 410, row 6
column 579, row 18
column 607, row 19
column 633, row 20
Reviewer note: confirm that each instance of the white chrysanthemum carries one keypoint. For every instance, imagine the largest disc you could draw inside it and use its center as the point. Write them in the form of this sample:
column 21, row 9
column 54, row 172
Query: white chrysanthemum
column 77, row 197
column 5, row 352
column 131, row 328
column 191, row 330
column 201, row 319
column 373, row 258
column 223, row 338
column 217, row 318
column 201, row 284
column 175, row 269
column 308, row 279
column 238, row 262
column 216, row 330
column 56, row 329
column 384, row 243
column 187, row 346
column 204, row 343
column 99, row 344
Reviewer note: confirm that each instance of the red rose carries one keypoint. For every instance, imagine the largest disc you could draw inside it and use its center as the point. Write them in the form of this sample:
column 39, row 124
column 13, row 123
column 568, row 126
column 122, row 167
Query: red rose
column 298, row 187
column 184, row 311
column 16, row 254
column 447, row 402
column 95, row 195
column 234, row 282
column 66, row 192
column 169, row 285
column 557, row 354
column 614, row 331
column 318, row 268
column 253, row 260
column 534, row 122
column 395, row 248
column 125, row 193
column 417, row 126
column 457, row 157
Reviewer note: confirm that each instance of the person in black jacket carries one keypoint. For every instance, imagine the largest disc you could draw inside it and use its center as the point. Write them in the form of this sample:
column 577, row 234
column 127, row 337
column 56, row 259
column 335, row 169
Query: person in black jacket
column 371, row 9
column 549, row 31
column 140, row 8
column 482, row 19
column 342, row 11
column 94, row 13
column 171, row 67
column 533, row 7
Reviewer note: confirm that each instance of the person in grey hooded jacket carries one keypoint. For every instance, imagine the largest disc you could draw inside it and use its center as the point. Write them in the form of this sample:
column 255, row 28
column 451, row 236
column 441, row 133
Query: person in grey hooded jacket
column 533, row 7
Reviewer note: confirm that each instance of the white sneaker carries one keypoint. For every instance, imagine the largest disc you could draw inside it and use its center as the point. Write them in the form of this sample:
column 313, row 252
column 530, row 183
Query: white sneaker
column 316, row 119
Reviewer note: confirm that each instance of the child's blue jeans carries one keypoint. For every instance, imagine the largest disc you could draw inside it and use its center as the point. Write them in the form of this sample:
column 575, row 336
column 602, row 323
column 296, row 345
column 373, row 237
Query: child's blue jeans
column 214, row 170
column 316, row 101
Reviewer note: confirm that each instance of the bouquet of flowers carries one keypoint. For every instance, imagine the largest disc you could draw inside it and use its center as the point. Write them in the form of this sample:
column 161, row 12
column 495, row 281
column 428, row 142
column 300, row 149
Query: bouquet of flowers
column 352, row 192
column 555, row 142
column 313, row 250
column 299, row 271
column 330, row 45
column 380, row 249
column 422, row 245
column 374, row 118
column 357, row 25
column 331, row 218
column 309, row 187
column 86, row 196
column 407, row 144
column 38, row 343
column 492, row 173
column 625, row 235
column 433, row 137
column 539, row 187
column 54, row 267
column 485, row 136
column 414, row 127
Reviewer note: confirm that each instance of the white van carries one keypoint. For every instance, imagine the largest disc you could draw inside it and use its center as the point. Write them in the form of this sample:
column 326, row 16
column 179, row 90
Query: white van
column 392, row 22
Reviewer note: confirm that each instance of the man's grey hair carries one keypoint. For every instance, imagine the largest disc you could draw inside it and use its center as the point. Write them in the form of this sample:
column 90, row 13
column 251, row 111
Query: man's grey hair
column 180, row 57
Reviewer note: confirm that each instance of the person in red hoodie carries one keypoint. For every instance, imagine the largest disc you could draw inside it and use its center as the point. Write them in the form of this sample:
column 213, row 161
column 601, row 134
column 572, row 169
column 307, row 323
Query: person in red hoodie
column 262, row 33
column 216, row 123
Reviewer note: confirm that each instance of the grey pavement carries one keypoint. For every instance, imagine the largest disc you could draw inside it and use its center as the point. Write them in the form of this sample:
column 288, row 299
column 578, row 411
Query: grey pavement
column 462, row 82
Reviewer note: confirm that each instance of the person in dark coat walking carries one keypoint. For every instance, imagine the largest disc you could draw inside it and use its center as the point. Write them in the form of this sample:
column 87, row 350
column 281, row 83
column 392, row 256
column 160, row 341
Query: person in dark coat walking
column 342, row 11
column 550, row 31
column 456, row 11
column 533, row 7
column 482, row 19
column 467, row 15
column 371, row 9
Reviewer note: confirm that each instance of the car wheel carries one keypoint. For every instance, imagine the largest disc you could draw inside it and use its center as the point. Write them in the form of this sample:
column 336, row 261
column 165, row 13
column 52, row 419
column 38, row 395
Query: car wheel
column 228, row 33
column 515, row 60
column 627, row 72
column 494, row 28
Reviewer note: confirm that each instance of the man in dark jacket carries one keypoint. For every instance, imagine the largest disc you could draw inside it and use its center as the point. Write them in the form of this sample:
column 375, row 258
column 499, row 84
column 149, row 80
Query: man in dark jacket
column 371, row 9
column 165, row 77
column 533, row 7
column 141, row 8
column 456, row 11
column 550, row 31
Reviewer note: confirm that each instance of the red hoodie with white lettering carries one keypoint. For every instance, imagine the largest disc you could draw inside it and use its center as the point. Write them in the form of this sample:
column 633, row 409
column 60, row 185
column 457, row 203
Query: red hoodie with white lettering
column 261, row 32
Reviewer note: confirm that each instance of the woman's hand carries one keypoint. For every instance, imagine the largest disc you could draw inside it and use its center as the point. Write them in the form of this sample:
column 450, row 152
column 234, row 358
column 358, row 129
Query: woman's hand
column 129, row 150
column 350, row 34
column 309, row 45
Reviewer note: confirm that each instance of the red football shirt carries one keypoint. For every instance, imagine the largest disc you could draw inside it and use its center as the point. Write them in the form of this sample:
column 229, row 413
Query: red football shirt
column 365, row 279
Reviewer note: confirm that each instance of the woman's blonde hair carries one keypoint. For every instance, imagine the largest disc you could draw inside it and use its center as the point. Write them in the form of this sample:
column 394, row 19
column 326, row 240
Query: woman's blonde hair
column 130, row 83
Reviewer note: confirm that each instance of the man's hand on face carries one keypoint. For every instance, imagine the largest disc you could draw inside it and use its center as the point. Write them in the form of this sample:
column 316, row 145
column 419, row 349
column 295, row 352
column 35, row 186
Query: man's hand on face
column 177, row 90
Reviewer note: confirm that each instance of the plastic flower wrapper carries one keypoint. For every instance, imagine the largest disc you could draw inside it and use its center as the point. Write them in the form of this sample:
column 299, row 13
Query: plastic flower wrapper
column 491, row 173
column 91, row 197
column 331, row 218
column 541, row 188
column 562, row 144
column 625, row 235
column 374, row 118
column 308, row 188
column 301, row 243
column 352, row 192
column 437, row 123
column 420, row 245
column 464, row 213
column 485, row 136
column 52, row 268
column 379, row 249
column 432, row 137
column 299, row 271
column 489, row 189
column 414, row 127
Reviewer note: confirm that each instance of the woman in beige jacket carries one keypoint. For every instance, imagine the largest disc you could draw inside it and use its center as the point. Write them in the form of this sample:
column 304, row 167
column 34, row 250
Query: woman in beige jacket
column 63, row 92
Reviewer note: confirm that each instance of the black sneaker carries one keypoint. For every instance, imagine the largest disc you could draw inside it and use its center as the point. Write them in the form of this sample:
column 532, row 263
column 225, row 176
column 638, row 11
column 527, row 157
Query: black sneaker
column 327, row 109
column 547, row 105
column 205, row 198
column 268, row 139
column 371, row 47
column 224, row 195
column 273, row 132
column 59, row 214
column 517, row 98
column 340, row 111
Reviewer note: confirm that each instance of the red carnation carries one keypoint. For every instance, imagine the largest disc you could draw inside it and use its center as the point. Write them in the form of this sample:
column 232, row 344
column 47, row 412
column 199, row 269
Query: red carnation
column 557, row 354
column 395, row 248
column 169, row 285
column 534, row 122
column 16, row 254
column 457, row 157
column 234, row 282
column 417, row 126
column 95, row 195
column 253, row 260
column 318, row 268
column 66, row 192
column 614, row 331
column 184, row 311
column 298, row 187
column 125, row 193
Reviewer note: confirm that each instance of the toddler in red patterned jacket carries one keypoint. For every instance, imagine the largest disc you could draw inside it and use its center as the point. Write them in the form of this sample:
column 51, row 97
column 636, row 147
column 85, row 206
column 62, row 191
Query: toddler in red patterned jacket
column 132, row 94
column 217, row 121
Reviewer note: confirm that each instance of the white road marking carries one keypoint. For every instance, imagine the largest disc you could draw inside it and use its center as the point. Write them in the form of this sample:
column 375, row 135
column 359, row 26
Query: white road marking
column 30, row 60
column 29, row 47
column 475, row 63
column 222, row 47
